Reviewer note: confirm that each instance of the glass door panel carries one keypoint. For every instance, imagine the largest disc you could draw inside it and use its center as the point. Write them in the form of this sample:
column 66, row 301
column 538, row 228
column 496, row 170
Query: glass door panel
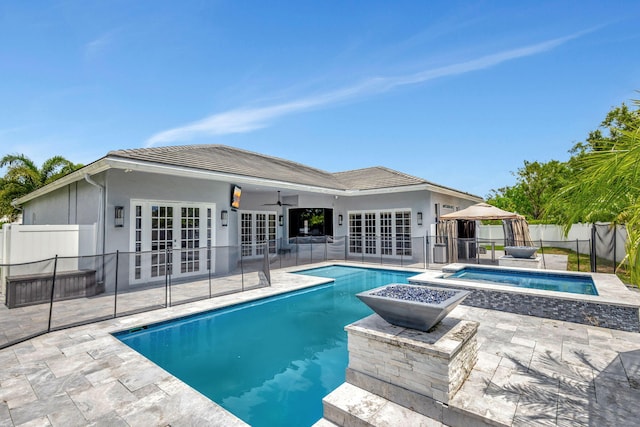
column 246, row 234
column 189, row 240
column 370, row 233
column 164, row 232
column 257, row 231
column 161, row 240
column 386, row 233
column 355, row 233
column 403, row 233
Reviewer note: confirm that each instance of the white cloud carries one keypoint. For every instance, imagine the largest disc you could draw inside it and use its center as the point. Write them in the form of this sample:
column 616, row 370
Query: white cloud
column 243, row 120
column 97, row 46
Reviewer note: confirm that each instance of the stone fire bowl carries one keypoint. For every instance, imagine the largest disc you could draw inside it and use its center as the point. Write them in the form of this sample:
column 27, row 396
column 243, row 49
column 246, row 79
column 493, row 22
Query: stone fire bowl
column 520, row 251
column 412, row 306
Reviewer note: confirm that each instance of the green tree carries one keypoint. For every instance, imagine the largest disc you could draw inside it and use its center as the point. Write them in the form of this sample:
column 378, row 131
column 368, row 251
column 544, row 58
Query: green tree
column 536, row 184
column 23, row 176
column 607, row 186
column 511, row 198
column 618, row 120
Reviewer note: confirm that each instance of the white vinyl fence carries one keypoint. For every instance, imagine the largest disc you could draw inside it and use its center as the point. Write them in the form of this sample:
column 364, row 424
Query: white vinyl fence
column 549, row 233
column 28, row 243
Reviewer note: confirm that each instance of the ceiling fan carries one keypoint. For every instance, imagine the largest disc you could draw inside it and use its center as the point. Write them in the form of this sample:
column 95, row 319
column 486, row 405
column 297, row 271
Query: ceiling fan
column 278, row 203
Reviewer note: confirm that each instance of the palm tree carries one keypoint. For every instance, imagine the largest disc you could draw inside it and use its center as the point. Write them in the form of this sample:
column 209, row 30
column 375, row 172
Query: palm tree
column 23, row 176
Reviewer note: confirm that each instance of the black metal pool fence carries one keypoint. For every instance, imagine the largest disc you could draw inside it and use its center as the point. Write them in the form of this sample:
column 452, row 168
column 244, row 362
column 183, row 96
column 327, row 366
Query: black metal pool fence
column 432, row 251
column 62, row 292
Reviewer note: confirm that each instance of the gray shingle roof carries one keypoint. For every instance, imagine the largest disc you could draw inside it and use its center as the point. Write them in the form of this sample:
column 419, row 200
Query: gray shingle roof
column 376, row 178
column 225, row 159
column 221, row 158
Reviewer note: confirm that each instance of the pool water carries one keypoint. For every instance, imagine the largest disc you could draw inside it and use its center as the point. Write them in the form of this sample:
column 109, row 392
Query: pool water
column 268, row 362
column 576, row 284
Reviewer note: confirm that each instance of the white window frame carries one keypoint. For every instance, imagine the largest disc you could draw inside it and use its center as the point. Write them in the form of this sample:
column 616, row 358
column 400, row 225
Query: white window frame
column 251, row 248
column 145, row 242
column 384, row 242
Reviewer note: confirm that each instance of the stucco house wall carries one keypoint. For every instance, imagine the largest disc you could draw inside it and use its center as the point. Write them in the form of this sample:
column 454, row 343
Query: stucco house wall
column 123, row 187
column 144, row 182
column 76, row 203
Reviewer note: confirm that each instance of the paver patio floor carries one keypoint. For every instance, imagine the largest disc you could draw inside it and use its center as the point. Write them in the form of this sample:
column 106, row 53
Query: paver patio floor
column 530, row 371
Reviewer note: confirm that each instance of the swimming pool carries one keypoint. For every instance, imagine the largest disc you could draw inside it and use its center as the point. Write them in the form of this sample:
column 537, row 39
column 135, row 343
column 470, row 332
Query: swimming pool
column 269, row 362
column 571, row 283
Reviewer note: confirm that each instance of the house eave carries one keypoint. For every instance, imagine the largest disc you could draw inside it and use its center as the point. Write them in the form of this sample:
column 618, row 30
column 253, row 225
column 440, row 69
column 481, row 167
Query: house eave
column 172, row 170
column 417, row 187
column 91, row 169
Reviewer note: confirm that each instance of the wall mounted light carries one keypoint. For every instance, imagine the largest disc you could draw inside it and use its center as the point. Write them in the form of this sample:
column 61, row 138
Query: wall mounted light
column 419, row 218
column 281, row 220
column 224, row 218
column 339, row 219
column 119, row 216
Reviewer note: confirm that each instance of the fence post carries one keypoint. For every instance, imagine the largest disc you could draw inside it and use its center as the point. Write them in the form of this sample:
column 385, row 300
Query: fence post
column 578, row 252
column 615, row 239
column 53, row 287
column 280, row 249
column 265, row 263
column 424, row 248
column 594, row 250
column 166, row 277
column 426, row 252
column 241, row 268
column 326, row 247
column 115, row 295
column 346, row 246
column 209, row 262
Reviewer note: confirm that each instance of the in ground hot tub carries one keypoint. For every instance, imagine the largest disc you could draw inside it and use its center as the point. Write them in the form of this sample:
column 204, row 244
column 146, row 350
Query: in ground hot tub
column 596, row 299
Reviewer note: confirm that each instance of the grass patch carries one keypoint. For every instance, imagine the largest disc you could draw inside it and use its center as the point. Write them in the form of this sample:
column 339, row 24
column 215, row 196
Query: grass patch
column 602, row 265
column 497, row 247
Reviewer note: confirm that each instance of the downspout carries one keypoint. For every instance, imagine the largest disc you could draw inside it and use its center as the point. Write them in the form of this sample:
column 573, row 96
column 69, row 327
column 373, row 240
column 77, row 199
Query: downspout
column 101, row 224
column 6, row 249
column 14, row 204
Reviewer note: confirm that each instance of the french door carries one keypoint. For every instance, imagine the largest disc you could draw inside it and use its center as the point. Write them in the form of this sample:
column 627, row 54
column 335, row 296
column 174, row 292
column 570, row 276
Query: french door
column 386, row 233
column 256, row 229
column 170, row 238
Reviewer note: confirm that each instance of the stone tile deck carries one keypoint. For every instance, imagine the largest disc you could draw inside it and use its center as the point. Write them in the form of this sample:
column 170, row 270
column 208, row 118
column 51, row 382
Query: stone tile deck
column 84, row 376
column 534, row 371
column 530, row 371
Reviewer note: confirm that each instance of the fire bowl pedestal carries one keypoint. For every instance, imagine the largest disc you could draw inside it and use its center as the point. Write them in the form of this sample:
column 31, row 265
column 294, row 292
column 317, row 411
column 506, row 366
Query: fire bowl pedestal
column 419, row 366
column 412, row 306
column 406, row 365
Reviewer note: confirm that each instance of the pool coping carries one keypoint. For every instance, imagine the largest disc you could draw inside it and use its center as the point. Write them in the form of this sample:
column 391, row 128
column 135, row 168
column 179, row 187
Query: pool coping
column 98, row 379
column 615, row 307
column 610, row 288
column 84, row 375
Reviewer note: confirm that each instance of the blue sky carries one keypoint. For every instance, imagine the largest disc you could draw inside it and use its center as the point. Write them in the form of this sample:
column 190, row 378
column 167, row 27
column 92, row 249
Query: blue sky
column 458, row 93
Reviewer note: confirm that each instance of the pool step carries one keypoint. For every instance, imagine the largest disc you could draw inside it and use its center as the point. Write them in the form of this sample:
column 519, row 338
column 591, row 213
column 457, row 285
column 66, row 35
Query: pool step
column 349, row 405
column 323, row 422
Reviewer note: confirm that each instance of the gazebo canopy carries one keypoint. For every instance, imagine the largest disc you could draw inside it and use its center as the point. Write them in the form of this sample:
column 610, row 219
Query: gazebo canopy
column 515, row 227
column 481, row 211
